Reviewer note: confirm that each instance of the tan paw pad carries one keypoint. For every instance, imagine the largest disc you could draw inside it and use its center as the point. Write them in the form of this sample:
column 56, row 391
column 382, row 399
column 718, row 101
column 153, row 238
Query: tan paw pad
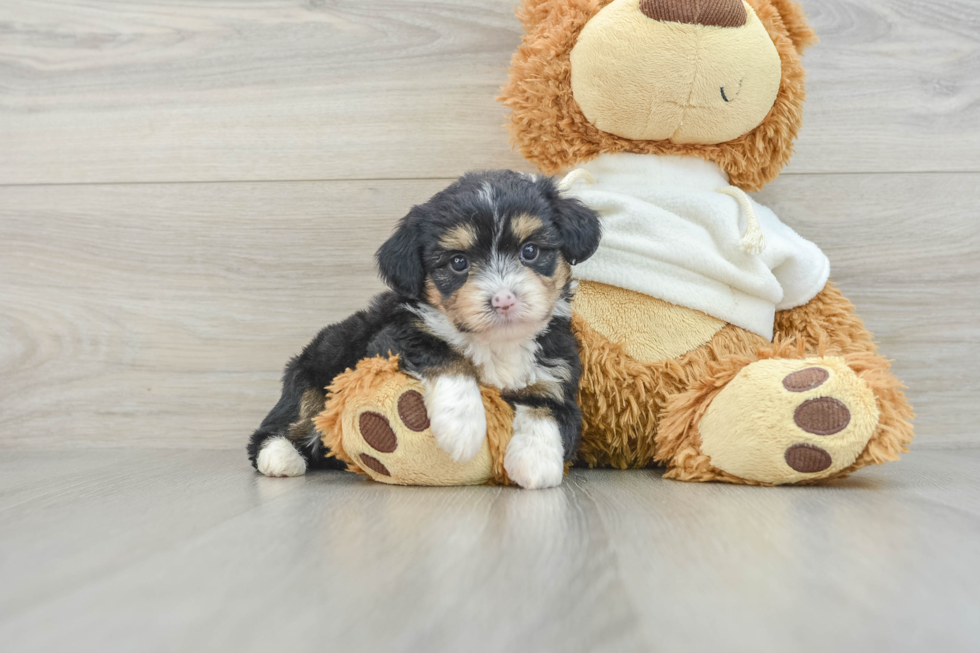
column 805, row 379
column 374, row 464
column 411, row 408
column 789, row 420
column 377, row 432
column 822, row 416
column 807, row 459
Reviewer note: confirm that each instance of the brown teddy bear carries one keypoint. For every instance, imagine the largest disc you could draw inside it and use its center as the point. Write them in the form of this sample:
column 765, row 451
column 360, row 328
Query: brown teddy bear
column 711, row 339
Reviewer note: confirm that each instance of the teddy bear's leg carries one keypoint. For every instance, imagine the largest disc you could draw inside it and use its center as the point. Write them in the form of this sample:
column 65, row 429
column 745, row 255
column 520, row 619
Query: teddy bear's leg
column 772, row 421
column 790, row 414
column 830, row 320
column 376, row 421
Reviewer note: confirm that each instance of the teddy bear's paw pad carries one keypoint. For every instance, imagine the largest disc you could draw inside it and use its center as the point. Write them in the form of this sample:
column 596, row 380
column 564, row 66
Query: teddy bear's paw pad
column 389, row 436
column 807, row 458
column 377, row 432
column 805, row 379
column 374, row 464
column 822, row 416
column 787, row 420
column 411, row 409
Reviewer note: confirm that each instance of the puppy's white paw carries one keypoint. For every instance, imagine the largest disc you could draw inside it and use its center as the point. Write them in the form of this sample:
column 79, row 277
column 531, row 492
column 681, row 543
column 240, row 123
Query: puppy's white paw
column 534, row 457
column 278, row 457
column 456, row 415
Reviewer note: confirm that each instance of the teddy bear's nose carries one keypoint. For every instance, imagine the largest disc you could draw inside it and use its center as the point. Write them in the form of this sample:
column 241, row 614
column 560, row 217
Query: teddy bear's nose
column 722, row 13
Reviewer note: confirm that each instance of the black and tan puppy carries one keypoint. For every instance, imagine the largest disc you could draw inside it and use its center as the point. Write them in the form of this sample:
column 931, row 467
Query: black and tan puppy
column 481, row 285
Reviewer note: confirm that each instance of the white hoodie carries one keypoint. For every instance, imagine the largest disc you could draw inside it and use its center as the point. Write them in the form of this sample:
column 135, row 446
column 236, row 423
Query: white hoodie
column 669, row 233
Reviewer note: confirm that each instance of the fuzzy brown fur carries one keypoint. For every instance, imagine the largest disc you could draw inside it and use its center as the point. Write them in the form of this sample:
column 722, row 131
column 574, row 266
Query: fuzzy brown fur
column 664, row 402
column 500, row 417
column 622, row 399
column 551, row 131
column 365, row 380
column 794, row 20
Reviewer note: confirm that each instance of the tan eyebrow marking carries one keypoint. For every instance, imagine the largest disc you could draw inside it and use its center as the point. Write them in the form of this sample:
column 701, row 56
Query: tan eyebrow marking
column 460, row 237
column 524, row 225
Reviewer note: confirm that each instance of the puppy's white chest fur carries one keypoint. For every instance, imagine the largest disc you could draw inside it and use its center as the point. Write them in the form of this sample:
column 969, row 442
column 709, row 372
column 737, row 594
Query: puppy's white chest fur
column 507, row 367
column 503, row 365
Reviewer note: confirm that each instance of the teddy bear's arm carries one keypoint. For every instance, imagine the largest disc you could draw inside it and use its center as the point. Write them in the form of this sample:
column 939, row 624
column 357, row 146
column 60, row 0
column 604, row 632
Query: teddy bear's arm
column 830, row 319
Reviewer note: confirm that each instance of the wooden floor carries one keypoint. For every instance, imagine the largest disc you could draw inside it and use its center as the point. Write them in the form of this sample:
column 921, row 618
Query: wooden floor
column 189, row 190
column 123, row 550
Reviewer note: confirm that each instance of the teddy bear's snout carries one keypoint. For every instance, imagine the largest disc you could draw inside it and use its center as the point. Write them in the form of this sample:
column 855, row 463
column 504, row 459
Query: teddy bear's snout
column 721, row 13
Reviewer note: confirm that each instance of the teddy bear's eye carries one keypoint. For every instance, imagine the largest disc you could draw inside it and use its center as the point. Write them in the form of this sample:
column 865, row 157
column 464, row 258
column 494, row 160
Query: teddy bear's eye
column 732, row 92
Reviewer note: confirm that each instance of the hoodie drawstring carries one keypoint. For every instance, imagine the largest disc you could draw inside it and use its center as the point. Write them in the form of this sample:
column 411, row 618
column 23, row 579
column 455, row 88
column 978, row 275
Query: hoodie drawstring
column 753, row 241
column 578, row 174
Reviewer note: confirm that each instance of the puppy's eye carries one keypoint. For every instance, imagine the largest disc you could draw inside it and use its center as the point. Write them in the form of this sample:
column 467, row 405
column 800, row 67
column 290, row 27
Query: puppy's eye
column 529, row 253
column 459, row 263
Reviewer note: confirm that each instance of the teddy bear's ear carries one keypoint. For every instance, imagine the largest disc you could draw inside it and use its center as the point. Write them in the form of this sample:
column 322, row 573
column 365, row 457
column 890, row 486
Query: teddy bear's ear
column 794, row 19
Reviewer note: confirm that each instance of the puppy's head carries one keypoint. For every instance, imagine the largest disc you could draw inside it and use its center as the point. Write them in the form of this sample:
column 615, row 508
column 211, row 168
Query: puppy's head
column 492, row 252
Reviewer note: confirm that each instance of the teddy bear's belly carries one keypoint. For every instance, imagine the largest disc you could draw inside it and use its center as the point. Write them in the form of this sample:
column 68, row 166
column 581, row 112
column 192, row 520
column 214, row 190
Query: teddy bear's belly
column 649, row 329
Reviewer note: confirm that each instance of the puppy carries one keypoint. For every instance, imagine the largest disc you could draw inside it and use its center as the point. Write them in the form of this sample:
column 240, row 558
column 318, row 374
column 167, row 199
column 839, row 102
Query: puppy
column 481, row 289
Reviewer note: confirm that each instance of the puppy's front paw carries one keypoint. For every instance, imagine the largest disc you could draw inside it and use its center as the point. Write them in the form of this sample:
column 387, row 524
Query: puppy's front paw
column 534, row 457
column 456, row 414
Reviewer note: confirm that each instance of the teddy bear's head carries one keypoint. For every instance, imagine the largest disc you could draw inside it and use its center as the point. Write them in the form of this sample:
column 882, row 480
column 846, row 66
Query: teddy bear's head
column 718, row 79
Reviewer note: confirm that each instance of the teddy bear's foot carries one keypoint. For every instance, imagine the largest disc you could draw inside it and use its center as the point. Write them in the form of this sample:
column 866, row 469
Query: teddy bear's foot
column 789, row 420
column 390, row 438
column 376, row 420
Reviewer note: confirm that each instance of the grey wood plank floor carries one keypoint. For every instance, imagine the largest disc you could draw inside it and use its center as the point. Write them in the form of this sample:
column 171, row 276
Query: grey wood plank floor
column 124, row 550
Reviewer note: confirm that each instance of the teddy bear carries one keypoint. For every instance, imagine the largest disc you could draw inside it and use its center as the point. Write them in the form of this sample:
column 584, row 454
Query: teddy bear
column 713, row 342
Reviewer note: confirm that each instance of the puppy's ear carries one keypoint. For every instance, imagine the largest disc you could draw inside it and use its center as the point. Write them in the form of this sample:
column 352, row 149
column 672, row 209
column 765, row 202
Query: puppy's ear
column 578, row 224
column 400, row 258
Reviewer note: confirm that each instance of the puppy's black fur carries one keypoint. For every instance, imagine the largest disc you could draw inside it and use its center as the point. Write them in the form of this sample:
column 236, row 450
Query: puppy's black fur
column 433, row 309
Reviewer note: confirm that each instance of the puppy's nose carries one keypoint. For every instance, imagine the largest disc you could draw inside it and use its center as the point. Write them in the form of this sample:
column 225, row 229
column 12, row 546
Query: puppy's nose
column 721, row 13
column 503, row 301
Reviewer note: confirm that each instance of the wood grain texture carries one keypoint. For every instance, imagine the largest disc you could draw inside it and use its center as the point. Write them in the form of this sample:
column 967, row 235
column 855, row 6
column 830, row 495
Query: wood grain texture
column 162, row 314
column 893, row 85
column 174, row 550
column 158, row 90
column 906, row 250
column 177, row 91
